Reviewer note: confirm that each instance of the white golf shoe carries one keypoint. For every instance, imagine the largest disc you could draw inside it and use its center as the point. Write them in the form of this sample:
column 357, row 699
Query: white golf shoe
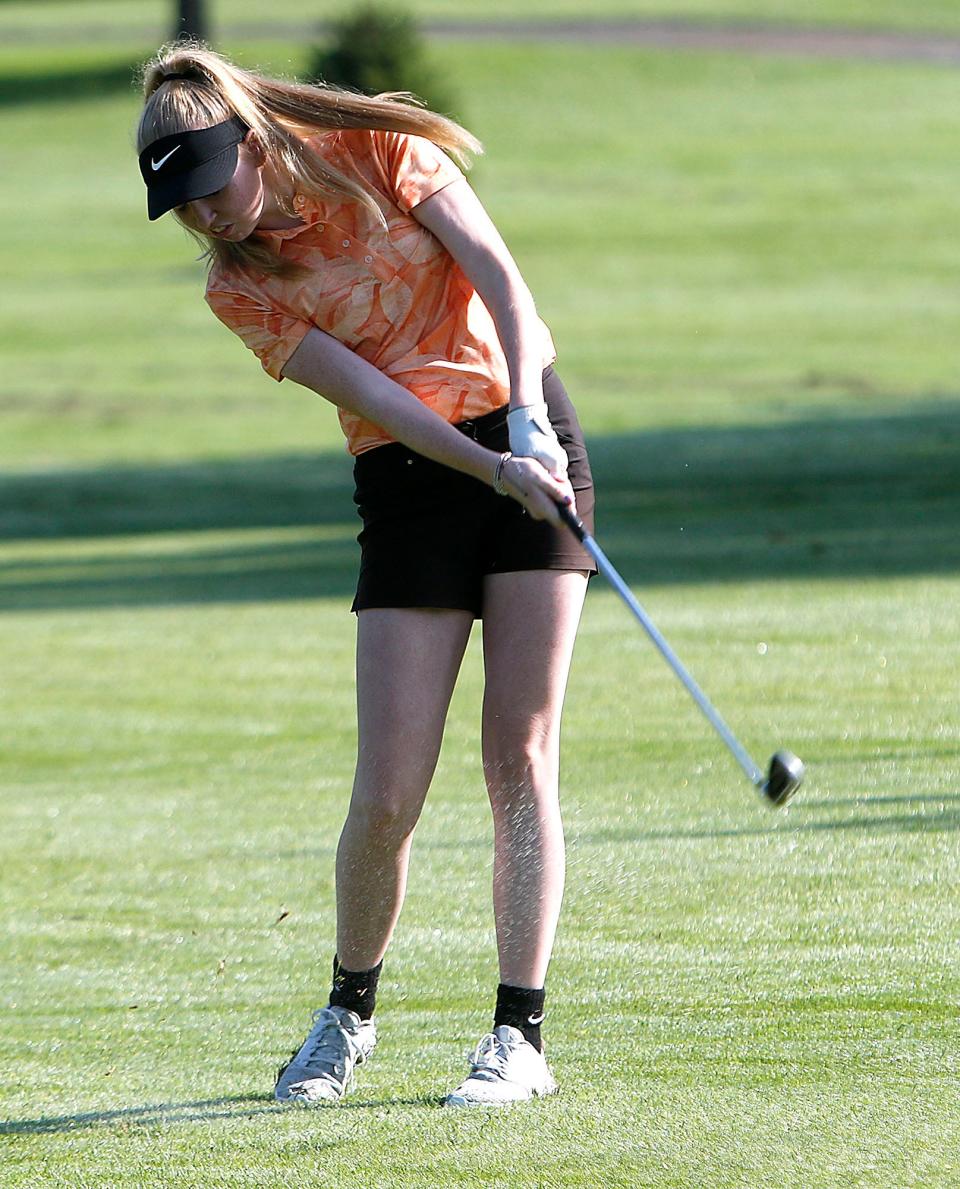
column 505, row 1068
column 322, row 1068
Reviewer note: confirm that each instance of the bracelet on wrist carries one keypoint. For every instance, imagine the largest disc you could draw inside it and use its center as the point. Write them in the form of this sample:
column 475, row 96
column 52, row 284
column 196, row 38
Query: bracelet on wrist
column 498, row 486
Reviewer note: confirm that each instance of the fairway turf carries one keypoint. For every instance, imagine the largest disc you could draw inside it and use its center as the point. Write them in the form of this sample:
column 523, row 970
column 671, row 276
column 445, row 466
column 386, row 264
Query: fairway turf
column 30, row 19
column 737, row 994
column 739, row 251
column 760, row 335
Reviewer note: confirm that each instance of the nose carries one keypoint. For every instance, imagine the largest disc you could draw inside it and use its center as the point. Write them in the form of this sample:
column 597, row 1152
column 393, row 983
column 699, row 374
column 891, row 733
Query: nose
column 203, row 213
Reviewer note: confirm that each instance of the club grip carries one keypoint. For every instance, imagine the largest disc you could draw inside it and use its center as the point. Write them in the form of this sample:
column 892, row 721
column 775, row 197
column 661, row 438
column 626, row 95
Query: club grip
column 572, row 521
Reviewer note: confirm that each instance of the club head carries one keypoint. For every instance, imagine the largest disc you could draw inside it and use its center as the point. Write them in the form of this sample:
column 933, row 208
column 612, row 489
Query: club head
column 783, row 779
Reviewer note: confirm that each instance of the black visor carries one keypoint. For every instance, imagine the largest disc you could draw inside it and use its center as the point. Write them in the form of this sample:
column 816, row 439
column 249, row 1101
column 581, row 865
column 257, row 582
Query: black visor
column 189, row 165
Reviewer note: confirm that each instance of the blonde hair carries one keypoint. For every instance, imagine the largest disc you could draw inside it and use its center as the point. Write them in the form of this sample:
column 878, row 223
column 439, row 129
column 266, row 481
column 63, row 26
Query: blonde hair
column 282, row 115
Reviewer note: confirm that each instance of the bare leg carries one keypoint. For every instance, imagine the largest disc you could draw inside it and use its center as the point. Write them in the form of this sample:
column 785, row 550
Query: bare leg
column 529, row 624
column 407, row 665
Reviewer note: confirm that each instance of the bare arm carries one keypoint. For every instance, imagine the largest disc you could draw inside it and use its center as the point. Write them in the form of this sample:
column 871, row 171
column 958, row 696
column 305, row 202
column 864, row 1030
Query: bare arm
column 456, row 216
column 323, row 364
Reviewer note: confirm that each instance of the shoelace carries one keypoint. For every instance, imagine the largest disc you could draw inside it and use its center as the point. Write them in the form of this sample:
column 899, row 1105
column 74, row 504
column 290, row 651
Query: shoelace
column 332, row 1045
column 331, row 1049
column 490, row 1056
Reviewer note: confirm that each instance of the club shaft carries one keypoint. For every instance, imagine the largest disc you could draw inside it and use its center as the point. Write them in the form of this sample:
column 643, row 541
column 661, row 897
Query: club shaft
column 736, row 749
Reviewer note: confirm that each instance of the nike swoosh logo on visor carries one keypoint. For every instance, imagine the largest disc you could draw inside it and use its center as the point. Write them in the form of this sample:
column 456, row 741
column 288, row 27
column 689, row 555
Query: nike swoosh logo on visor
column 155, row 165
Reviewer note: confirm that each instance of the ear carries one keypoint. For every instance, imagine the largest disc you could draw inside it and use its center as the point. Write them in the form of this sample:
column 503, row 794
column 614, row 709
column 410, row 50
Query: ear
column 254, row 149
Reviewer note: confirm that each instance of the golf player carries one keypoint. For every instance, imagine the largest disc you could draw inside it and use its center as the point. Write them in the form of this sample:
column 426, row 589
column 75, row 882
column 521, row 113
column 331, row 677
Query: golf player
column 349, row 253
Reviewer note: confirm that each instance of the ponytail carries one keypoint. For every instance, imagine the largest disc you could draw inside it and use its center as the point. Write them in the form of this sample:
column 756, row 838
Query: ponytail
column 187, row 86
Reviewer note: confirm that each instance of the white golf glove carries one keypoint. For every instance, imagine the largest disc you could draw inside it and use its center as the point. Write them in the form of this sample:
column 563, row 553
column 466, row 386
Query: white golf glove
column 532, row 436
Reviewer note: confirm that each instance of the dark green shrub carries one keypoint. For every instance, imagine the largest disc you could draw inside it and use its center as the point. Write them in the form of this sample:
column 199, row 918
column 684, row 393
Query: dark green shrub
column 376, row 49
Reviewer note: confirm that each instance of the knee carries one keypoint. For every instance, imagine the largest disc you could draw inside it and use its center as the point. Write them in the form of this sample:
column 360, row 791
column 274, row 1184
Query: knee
column 385, row 816
column 518, row 761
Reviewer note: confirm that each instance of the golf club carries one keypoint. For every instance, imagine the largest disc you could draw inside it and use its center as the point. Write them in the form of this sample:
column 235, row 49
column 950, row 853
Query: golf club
column 785, row 772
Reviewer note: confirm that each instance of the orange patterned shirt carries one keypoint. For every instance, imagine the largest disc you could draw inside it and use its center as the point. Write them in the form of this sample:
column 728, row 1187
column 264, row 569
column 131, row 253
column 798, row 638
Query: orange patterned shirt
column 392, row 294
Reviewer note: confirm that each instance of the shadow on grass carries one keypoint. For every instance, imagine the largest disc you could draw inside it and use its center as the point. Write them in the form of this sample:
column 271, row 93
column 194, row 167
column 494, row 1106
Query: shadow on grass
column 866, row 802
column 59, row 86
column 825, row 498
column 237, row 1106
column 945, row 820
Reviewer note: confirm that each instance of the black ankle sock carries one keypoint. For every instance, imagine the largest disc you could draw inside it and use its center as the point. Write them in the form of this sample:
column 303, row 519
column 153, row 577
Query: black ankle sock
column 356, row 990
column 522, row 1008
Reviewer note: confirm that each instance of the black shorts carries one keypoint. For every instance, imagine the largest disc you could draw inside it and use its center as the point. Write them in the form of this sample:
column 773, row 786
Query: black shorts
column 431, row 533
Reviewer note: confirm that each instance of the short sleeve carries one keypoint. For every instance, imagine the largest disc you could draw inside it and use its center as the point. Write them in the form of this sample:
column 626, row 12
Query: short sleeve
column 271, row 335
column 413, row 167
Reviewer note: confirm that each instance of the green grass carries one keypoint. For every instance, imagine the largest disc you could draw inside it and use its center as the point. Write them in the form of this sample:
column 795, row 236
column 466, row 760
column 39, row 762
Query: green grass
column 58, row 17
column 737, row 997
column 740, row 251
column 749, row 267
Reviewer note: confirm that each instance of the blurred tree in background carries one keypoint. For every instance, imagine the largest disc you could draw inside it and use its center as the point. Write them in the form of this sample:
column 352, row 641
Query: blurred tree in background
column 191, row 19
column 378, row 49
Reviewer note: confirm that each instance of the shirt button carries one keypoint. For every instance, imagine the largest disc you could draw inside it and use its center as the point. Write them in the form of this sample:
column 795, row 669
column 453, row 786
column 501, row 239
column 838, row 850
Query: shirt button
column 346, row 243
column 368, row 260
column 298, row 200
